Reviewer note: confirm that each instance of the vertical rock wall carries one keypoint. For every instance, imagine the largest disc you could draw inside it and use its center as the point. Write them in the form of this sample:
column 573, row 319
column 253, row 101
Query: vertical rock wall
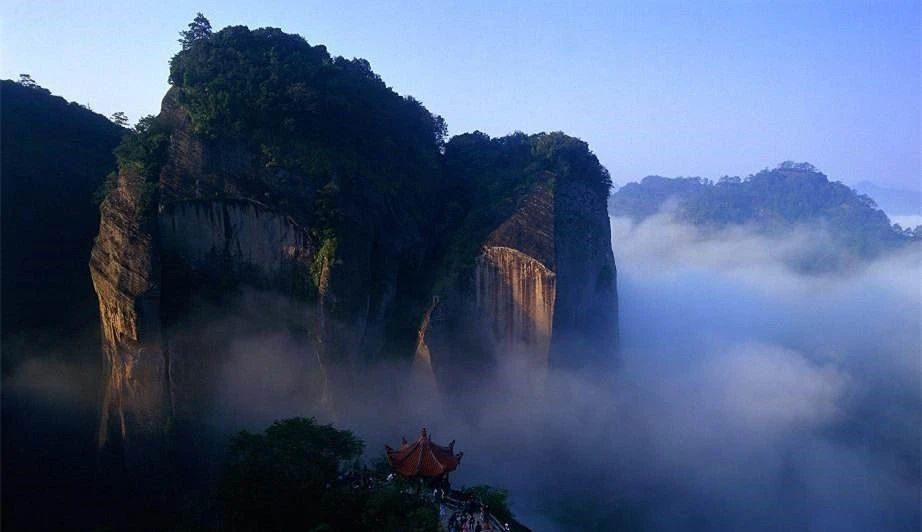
column 514, row 296
column 586, row 307
column 125, row 270
column 240, row 234
column 217, row 221
column 543, row 287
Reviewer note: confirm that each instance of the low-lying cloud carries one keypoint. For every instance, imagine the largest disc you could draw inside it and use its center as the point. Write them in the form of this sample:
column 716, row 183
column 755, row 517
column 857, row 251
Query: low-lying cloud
column 751, row 394
column 754, row 396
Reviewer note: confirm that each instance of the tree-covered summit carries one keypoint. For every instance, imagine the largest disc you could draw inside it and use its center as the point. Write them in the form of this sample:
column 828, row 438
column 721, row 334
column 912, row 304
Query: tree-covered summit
column 486, row 172
column 479, row 160
column 305, row 131
column 240, row 82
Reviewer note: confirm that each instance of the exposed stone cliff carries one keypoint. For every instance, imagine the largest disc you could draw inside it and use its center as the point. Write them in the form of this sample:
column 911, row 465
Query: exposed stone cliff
column 542, row 285
column 125, row 269
column 203, row 239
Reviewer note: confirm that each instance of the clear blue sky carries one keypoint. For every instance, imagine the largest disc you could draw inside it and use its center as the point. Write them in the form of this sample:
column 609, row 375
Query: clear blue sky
column 670, row 88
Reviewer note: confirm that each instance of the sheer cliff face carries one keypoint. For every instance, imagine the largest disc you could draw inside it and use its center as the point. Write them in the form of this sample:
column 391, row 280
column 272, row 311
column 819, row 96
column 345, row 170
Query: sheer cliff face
column 514, row 296
column 126, row 275
column 515, row 280
column 586, row 306
column 210, row 223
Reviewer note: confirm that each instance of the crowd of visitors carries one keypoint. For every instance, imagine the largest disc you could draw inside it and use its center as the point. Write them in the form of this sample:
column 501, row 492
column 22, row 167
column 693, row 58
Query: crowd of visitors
column 472, row 516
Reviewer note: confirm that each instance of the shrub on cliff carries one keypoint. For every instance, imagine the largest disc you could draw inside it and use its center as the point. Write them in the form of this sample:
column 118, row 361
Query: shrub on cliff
column 144, row 147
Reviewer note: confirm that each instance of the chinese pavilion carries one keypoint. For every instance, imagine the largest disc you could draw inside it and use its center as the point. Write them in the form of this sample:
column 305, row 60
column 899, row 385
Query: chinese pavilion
column 423, row 459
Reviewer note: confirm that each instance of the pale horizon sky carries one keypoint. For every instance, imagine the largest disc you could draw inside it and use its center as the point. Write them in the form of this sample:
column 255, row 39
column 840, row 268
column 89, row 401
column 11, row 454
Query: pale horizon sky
column 668, row 88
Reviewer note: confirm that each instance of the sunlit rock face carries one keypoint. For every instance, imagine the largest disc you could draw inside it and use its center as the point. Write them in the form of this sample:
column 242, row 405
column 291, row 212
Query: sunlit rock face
column 514, row 279
column 124, row 266
column 514, row 296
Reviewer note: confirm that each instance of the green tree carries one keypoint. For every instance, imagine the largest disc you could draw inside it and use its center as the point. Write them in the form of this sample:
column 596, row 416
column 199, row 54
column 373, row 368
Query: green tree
column 144, row 147
column 299, row 475
column 26, row 81
column 199, row 28
column 119, row 118
column 287, row 475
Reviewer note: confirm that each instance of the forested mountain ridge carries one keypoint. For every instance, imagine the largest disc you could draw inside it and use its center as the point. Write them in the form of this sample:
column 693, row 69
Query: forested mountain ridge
column 55, row 155
column 771, row 201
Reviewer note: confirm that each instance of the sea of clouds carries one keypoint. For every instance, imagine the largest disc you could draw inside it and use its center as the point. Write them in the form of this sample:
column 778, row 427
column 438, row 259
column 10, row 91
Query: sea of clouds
column 750, row 393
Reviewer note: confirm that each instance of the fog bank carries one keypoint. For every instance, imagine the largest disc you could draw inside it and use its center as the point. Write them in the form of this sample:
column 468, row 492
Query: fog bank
column 748, row 395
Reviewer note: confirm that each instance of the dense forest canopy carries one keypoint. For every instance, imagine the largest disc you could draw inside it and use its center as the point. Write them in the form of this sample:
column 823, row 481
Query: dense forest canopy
column 267, row 86
column 475, row 160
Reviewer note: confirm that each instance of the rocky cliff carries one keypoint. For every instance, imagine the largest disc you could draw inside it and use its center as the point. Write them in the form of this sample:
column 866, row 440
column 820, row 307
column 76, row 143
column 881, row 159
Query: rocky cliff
column 541, row 285
column 338, row 199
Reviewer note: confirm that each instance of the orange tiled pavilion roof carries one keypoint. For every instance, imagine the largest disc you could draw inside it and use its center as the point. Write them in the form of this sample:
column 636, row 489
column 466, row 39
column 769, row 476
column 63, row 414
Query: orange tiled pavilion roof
column 423, row 458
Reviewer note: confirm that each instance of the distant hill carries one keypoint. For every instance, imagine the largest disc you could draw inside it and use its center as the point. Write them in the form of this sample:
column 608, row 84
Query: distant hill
column 772, row 201
column 54, row 156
